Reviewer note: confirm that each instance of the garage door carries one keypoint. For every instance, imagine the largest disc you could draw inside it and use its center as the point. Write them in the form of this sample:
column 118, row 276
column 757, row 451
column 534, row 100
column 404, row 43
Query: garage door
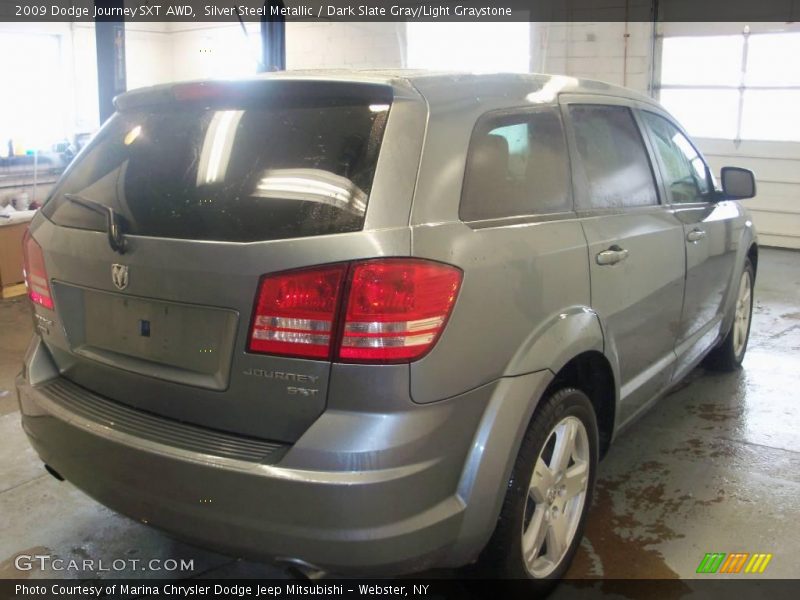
column 736, row 89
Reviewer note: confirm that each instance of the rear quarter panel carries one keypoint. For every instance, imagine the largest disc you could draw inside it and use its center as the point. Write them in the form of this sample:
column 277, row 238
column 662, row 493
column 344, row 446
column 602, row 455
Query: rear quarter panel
column 525, row 283
column 522, row 306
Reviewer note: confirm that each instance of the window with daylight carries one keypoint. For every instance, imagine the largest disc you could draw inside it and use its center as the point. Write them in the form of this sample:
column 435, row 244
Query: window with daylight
column 736, row 87
column 32, row 114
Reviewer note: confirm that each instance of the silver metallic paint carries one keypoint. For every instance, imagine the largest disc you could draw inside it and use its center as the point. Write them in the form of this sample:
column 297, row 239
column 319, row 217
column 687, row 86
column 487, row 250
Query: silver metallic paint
column 409, row 462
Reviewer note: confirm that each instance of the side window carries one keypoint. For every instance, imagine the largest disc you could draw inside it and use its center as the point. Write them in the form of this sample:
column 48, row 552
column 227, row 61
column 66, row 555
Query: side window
column 685, row 173
column 516, row 165
column 613, row 158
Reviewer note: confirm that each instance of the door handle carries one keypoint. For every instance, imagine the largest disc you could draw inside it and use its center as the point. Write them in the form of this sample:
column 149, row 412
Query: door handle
column 612, row 256
column 695, row 235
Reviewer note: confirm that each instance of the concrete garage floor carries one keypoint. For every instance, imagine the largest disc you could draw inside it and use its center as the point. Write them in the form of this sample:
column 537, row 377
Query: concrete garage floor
column 714, row 467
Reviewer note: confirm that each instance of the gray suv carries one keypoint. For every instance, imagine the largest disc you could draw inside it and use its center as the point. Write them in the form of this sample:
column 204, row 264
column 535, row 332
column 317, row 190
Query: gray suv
column 375, row 322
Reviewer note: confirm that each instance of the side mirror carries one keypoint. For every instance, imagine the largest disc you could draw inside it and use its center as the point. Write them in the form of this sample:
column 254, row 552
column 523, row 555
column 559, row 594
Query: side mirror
column 737, row 184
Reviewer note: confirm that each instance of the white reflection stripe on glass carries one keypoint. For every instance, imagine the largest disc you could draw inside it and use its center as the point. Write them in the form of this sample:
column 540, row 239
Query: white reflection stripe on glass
column 339, row 194
column 338, row 198
column 216, row 152
column 293, row 337
column 286, row 323
column 387, row 342
column 394, row 326
column 304, row 183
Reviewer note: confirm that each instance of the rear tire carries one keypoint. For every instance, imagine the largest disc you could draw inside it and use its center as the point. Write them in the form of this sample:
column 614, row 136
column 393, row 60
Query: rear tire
column 549, row 493
column 728, row 356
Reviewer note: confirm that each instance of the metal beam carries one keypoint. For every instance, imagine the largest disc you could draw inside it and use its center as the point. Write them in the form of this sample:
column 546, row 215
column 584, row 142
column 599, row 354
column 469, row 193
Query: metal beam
column 110, row 48
column 273, row 38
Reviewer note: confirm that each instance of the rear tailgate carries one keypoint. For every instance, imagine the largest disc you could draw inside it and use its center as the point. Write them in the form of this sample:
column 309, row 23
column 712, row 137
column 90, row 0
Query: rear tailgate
column 164, row 326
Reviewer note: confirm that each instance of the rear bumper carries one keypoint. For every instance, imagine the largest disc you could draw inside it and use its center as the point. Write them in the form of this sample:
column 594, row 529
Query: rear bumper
column 334, row 520
column 423, row 501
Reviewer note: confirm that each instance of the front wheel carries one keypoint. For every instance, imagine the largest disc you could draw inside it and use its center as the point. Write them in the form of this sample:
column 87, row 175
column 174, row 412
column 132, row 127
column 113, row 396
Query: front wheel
column 728, row 356
column 549, row 493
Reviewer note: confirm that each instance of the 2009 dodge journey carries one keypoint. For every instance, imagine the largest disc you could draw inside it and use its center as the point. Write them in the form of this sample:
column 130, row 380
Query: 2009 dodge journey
column 375, row 322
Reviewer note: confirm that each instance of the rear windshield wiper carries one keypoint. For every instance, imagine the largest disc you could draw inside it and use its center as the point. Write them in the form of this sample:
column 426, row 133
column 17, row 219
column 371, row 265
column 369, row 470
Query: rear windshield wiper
column 116, row 239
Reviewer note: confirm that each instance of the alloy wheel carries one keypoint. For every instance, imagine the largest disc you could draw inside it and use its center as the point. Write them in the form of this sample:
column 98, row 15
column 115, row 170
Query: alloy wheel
column 556, row 497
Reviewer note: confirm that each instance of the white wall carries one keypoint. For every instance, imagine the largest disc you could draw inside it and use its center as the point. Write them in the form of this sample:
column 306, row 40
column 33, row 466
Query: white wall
column 213, row 50
column 80, row 41
column 345, row 45
column 472, row 47
column 148, row 54
column 617, row 53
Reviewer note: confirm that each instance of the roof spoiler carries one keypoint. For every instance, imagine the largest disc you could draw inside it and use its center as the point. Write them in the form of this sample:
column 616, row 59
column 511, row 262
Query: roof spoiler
column 238, row 92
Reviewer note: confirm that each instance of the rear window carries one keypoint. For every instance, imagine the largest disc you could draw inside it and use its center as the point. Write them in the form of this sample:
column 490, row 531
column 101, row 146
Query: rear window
column 264, row 167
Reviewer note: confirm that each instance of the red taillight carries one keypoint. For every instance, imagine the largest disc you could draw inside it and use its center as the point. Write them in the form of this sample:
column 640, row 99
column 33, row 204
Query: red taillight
column 295, row 312
column 34, row 271
column 394, row 311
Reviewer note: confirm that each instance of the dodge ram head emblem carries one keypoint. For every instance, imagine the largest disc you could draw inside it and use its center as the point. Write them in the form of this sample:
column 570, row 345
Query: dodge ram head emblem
column 119, row 275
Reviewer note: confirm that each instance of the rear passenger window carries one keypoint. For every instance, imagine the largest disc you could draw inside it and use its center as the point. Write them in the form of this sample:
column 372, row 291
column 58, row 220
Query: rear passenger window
column 613, row 161
column 516, row 165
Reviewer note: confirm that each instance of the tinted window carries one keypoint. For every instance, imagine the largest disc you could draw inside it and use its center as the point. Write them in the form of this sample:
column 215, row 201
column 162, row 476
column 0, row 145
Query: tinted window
column 516, row 165
column 685, row 173
column 241, row 170
column 613, row 158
